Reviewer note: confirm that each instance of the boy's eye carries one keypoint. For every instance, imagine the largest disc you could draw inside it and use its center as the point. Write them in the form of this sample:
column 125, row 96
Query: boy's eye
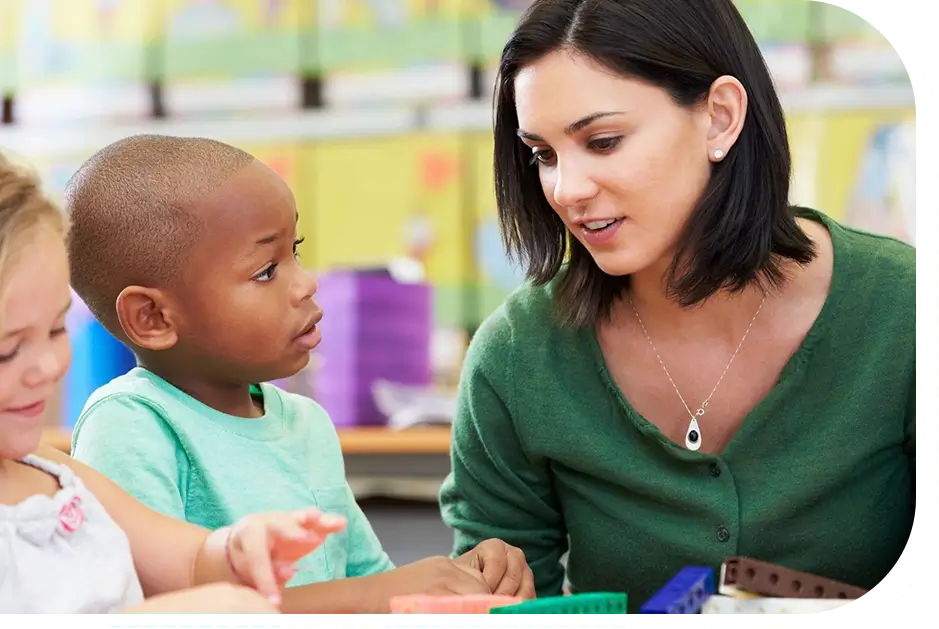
column 266, row 275
column 297, row 243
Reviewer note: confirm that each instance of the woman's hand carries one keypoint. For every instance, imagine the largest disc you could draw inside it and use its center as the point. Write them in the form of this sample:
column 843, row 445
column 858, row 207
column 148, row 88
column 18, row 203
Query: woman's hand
column 503, row 567
column 262, row 549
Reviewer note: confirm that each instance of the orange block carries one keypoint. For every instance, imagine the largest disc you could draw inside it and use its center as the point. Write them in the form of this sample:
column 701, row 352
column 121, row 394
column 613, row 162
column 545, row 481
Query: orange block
column 424, row 604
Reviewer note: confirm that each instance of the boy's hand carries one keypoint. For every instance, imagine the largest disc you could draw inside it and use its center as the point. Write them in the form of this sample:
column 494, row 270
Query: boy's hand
column 503, row 567
column 262, row 548
column 436, row 576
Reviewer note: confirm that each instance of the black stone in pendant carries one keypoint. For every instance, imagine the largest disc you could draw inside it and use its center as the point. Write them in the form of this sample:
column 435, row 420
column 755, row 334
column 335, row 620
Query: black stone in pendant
column 693, row 436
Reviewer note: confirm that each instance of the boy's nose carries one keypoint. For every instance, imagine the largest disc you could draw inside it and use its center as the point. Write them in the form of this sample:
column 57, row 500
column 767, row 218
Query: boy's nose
column 307, row 285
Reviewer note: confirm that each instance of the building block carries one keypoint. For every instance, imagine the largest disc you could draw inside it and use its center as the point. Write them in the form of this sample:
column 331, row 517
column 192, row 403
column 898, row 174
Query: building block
column 587, row 603
column 685, row 593
column 425, row 604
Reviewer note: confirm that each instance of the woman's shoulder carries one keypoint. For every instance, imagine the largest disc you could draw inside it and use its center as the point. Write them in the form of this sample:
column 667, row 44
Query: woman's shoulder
column 525, row 322
column 868, row 252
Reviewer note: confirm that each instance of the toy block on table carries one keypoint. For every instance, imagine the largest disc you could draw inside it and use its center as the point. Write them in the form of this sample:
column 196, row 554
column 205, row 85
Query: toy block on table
column 425, row 604
column 741, row 576
column 719, row 604
column 586, row 603
column 685, row 593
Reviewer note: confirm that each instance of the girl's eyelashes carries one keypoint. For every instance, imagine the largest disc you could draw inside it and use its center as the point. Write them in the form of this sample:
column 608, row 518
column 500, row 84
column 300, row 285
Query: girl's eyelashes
column 8, row 356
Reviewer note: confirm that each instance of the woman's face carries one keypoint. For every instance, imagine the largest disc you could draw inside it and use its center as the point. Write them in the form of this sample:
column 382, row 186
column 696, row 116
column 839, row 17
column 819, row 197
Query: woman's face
column 619, row 161
column 34, row 348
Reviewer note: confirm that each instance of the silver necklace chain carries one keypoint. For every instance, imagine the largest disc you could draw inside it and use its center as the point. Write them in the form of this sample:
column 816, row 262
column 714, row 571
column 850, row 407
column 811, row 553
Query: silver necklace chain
column 693, row 437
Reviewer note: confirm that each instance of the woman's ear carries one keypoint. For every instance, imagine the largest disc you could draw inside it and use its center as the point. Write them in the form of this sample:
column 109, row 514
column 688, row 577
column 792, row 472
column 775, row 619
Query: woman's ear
column 727, row 111
column 147, row 318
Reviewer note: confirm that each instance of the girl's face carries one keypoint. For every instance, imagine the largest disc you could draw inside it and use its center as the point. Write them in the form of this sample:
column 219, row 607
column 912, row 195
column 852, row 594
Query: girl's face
column 34, row 347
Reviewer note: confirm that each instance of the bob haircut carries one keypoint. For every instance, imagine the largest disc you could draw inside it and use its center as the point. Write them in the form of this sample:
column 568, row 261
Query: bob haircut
column 743, row 226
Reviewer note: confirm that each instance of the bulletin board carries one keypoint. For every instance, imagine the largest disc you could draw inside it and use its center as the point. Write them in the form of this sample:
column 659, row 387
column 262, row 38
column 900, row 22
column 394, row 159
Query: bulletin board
column 858, row 167
column 378, row 199
column 8, row 27
column 366, row 35
column 82, row 41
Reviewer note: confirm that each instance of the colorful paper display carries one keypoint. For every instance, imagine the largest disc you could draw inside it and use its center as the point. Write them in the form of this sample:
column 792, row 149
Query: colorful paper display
column 83, row 41
column 376, row 200
column 356, row 35
column 231, row 38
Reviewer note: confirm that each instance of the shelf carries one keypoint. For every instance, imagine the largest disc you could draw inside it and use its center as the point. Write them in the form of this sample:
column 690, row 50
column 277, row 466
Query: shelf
column 365, row 121
column 384, row 441
column 355, row 441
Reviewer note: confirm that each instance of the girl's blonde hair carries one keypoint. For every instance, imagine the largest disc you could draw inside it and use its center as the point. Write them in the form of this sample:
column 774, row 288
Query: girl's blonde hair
column 23, row 208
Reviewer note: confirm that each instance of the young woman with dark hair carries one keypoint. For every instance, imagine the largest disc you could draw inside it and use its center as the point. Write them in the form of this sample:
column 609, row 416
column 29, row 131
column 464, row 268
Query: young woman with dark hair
column 696, row 368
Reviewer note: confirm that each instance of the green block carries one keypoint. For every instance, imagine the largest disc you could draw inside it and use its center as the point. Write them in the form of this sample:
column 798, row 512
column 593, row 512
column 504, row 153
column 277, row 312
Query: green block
column 494, row 32
column 350, row 49
column 233, row 56
column 96, row 63
column 7, row 73
column 589, row 603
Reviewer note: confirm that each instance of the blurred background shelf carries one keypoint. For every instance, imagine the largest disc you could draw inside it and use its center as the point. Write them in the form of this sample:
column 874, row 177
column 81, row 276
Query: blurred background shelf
column 354, row 441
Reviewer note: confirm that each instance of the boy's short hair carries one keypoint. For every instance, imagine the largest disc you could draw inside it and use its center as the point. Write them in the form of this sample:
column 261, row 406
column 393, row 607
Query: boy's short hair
column 131, row 214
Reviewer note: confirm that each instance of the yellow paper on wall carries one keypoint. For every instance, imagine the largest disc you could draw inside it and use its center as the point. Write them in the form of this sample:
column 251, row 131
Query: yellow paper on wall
column 87, row 22
column 384, row 198
column 858, row 167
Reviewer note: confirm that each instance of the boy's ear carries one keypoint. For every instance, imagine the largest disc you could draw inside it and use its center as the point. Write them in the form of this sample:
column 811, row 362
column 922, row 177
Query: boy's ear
column 147, row 318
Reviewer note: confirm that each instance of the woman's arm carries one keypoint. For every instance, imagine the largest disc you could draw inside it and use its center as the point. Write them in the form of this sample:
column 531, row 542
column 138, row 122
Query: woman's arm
column 495, row 490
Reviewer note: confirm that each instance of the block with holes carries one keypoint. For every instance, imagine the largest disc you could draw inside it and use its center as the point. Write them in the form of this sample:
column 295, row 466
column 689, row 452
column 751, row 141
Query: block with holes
column 747, row 577
column 684, row 594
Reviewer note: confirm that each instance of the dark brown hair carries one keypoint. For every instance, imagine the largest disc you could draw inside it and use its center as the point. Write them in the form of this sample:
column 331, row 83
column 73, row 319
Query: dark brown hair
column 743, row 226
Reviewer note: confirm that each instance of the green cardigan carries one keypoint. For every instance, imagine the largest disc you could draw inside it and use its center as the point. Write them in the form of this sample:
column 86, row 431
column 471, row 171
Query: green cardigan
column 548, row 456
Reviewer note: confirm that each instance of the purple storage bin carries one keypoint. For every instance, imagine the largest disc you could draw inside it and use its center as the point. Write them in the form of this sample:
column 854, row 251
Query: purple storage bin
column 374, row 328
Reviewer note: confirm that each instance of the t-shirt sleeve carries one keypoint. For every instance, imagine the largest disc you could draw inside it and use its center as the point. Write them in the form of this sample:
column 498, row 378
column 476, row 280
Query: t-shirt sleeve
column 127, row 440
column 366, row 555
column 494, row 489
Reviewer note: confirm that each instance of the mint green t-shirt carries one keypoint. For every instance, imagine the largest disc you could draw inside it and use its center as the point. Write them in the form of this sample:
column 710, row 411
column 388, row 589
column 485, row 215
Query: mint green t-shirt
column 189, row 461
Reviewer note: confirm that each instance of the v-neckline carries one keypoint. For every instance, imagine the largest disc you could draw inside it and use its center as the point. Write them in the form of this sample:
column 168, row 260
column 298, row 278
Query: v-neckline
column 794, row 366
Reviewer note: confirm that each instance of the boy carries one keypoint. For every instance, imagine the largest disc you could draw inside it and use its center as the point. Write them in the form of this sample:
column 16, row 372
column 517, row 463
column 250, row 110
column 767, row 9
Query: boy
column 185, row 250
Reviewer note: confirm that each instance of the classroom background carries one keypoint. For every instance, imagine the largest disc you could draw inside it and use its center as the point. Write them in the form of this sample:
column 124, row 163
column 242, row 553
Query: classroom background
column 378, row 114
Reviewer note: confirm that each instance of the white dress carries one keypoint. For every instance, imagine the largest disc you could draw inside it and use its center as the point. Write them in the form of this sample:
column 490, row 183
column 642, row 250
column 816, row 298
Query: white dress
column 64, row 554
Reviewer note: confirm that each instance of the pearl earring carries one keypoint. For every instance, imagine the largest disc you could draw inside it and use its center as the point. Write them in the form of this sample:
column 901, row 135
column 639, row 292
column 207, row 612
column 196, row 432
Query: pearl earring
column 718, row 154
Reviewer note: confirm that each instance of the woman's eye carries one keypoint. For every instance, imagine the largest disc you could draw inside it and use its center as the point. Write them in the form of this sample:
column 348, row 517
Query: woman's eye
column 545, row 156
column 605, row 144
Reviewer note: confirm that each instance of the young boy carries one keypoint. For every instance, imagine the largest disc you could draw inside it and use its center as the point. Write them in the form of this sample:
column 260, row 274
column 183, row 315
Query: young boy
column 185, row 250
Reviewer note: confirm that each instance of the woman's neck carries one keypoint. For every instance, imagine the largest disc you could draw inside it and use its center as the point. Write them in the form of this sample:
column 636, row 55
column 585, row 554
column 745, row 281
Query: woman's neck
column 724, row 314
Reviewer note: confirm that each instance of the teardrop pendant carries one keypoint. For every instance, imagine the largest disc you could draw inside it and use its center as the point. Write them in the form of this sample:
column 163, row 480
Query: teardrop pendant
column 693, row 436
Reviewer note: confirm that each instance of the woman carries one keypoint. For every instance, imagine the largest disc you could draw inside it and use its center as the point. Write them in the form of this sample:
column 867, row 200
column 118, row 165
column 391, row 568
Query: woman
column 696, row 370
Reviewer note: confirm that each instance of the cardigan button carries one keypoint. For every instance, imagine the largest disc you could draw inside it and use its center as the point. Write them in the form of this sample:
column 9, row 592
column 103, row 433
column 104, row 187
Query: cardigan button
column 715, row 470
column 722, row 533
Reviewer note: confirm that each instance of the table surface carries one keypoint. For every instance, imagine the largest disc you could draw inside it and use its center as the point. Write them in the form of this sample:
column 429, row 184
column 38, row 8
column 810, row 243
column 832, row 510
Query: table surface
column 365, row 440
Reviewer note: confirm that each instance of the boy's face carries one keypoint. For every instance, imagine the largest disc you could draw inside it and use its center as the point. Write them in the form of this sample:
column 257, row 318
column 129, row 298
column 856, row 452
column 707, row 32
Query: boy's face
column 247, row 308
column 34, row 348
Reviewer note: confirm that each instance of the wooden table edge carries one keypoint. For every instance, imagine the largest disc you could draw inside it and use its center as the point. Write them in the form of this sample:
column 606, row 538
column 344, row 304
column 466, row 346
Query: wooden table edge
column 358, row 441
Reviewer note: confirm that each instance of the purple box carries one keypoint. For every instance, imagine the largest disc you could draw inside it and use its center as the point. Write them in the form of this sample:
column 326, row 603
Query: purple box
column 374, row 328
